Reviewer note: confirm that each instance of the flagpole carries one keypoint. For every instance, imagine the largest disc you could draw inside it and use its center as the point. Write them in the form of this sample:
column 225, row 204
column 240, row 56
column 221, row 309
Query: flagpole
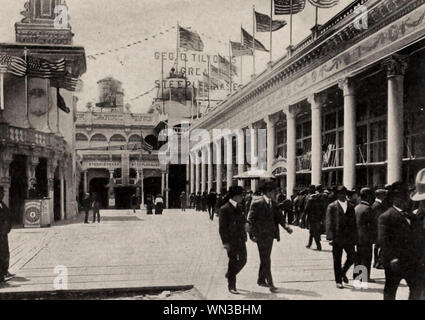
column 162, row 82
column 230, row 67
column 178, row 45
column 1, row 91
column 26, row 92
column 253, row 35
column 271, row 31
column 241, row 57
column 290, row 26
column 317, row 15
column 209, row 82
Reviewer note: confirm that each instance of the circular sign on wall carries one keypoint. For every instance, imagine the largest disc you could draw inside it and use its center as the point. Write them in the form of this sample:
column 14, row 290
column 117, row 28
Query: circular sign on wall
column 32, row 214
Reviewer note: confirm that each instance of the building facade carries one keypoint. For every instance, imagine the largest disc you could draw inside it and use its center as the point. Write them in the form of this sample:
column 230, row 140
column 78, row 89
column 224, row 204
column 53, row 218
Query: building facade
column 111, row 164
column 344, row 106
column 36, row 137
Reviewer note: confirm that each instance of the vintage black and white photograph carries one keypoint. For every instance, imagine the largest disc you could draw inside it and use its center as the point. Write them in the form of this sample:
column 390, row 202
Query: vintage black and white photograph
column 221, row 150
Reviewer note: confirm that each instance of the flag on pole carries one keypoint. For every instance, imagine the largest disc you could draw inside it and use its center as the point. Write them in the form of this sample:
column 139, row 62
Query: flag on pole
column 144, row 145
column 41, row 68
column 239, row 50
column 219, row 74
column 13, row 65
column 226, row 64
column 248, row 41
column 190, row 40
column 284, row 6
column 263, row 23
column 323, row 4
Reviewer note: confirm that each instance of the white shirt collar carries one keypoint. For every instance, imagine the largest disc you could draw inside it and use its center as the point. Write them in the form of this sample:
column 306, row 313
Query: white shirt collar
column 378, row 200
column 344, row 205
column 268, row 200
column 233, row 202
column 397, row 208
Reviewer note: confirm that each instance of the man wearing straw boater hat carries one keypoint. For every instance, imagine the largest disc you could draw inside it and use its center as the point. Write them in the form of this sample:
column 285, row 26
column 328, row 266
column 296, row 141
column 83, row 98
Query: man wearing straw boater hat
column 419, row 197
column 402, row 253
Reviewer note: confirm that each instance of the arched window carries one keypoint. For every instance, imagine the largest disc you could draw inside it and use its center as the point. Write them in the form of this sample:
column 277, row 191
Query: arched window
column 134, row 138
column 81, row 137
column 98, row 140
column 118, row 140
column 81, row 141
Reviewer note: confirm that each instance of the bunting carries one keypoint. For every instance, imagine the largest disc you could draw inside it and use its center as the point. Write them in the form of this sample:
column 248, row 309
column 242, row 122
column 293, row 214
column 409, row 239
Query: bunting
column 324, row 4
column 13, row 65
column 41, row 68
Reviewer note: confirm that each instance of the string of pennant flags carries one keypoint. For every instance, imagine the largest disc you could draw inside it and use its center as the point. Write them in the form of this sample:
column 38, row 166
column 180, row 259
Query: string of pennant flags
column 143, row 94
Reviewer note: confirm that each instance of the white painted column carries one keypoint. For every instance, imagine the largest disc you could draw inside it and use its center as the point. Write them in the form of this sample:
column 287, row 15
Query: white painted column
column 210, row 166
column 192, row 174
column 219, row 165
column 142, row 189
column 270, row 142
column 291, row 155
column 204, row 169
column 349, row 175
column 198, row 172
column 254, row 153
column 85, row 181
column 162, row 184
column 62, row 192
column 229, row 161
column 167, row 192
column 241, row 155
column 316, row 138
column 396, row 67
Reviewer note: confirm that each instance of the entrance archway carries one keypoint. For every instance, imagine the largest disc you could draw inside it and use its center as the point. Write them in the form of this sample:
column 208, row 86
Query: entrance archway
column 18, row 187
column 98, row 185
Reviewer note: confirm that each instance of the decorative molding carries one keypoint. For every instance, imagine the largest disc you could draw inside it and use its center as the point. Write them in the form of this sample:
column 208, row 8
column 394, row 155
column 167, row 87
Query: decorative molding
column 395, row 65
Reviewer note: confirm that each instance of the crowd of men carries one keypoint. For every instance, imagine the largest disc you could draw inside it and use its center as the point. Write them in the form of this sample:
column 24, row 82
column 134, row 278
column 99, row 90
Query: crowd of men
column 385, row 226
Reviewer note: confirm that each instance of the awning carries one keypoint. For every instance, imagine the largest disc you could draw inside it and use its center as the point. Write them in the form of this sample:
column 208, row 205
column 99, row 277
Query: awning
column 254, row 174
column 279, row 167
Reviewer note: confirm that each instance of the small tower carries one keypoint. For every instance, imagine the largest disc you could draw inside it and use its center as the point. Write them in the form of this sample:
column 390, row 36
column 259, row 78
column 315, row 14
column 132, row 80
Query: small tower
column 45, row 22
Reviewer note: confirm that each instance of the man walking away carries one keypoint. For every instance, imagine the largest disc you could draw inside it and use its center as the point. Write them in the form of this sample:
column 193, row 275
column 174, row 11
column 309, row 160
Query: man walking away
column 96, row 208
column 264, row 218
column 5, row 227
column 397, row 237
column 364, row 221
column 378, row 208
column 211, row 201
column 233, row 235
column 183, row 201
column 313, row 211
column 341, row 231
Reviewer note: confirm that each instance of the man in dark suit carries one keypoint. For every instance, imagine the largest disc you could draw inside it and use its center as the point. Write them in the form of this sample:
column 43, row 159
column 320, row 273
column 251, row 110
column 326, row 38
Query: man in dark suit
column 86, row 207
column 314, row 213
column 401, row 252
column 5, row 227
column 232, row 223
column 341, row 231
column 378, row 208
column 264, row 218
column 364, row 220
column 211, row 200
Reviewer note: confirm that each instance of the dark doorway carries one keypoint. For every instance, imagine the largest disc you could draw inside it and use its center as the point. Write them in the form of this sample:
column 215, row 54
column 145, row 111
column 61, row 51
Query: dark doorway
column 123, row 197
column 98, row 185
column 56, row 197
column 152, row 186
column 41, row 177
column 18, row 188
column 176, row 184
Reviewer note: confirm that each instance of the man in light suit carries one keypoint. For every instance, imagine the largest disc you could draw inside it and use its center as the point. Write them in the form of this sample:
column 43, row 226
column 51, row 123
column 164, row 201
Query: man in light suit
column 232, row 223
column 341, row 231
column 264, row 218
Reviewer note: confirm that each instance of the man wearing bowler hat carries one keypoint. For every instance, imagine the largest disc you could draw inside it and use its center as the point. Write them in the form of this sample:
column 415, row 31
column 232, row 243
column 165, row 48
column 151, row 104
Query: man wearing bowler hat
column 341, row 231
column 397, row 236
column 264, row 218
column 232, row 223
column 419, row 197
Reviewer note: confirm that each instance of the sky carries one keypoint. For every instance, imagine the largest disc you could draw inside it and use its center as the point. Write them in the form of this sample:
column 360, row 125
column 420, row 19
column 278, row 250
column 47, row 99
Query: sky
column 102, row 25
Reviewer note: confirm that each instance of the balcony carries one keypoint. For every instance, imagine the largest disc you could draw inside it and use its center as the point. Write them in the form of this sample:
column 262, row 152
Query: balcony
column 31, row 137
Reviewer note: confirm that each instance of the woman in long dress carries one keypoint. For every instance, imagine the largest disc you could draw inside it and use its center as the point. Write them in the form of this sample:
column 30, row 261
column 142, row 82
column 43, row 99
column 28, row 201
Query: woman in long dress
column 159, row 205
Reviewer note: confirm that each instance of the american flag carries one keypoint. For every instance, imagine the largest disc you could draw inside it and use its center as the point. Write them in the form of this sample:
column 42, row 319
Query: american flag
column 226, row 65
column 68, row 82
column 190, row 40
column 248, row 41
column 41, row 68
column 263, row 23
column 217, row 73
column 144, row 145
column 284, row 6
column 13, row 65
column 324, row 3
column 239, row 50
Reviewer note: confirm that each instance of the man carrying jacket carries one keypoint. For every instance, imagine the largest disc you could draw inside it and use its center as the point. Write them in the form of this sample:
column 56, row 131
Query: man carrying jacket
column 341, row 231
column 232, row 223
column 264, row 218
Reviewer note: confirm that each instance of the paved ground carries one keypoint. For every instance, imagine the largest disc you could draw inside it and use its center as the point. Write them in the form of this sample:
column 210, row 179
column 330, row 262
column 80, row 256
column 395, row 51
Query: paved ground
column 176, row 249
